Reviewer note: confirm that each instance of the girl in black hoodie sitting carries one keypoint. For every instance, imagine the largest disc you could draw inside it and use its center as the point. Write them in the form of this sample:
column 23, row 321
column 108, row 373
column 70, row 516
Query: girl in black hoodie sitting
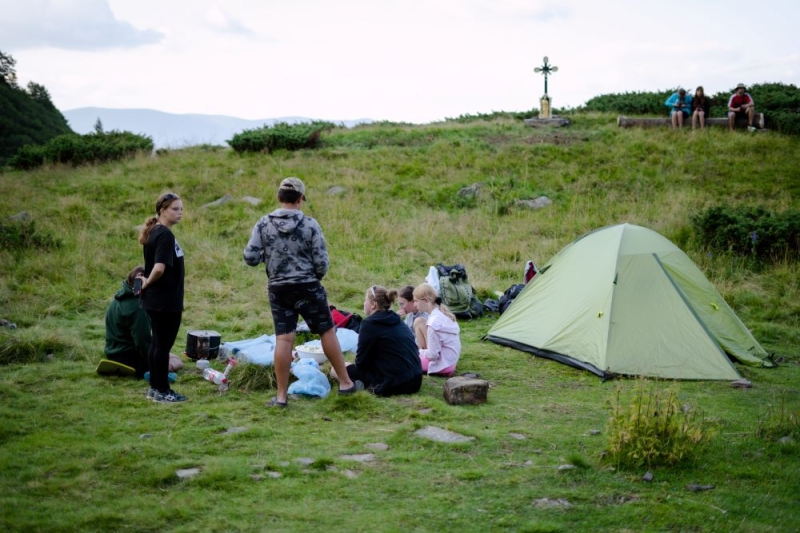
column 387, row 357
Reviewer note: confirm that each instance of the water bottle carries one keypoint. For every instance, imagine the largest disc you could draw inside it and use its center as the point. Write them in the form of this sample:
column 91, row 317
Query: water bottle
column 215, row 376
column 231, row 364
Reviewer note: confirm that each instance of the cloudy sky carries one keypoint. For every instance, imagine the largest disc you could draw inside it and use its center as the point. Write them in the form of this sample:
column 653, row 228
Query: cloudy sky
column 403, row 60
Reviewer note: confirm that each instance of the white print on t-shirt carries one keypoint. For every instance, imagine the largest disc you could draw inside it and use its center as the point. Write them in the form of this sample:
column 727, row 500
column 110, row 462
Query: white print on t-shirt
column 178, row 250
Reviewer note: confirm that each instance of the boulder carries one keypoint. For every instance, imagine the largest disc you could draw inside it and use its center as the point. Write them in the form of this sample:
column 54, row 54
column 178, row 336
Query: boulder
column 462, row 390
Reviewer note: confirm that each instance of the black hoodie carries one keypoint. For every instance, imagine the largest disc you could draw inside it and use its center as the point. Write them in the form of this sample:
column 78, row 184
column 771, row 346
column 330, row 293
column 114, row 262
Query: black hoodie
column 387, row 354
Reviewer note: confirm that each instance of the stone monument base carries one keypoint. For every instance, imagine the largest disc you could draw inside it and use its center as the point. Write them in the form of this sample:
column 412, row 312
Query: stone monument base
column 552, row 121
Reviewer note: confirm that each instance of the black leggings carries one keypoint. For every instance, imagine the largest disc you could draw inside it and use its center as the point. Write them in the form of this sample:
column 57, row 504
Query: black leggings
column 379, row 389
column 165, row 326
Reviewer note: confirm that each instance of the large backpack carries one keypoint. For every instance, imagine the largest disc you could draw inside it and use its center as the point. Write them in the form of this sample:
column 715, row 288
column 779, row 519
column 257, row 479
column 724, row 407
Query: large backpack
column 457, row 293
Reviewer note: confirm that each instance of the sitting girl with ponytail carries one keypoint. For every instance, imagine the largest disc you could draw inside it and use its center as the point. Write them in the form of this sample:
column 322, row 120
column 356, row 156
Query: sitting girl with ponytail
column 444, row 344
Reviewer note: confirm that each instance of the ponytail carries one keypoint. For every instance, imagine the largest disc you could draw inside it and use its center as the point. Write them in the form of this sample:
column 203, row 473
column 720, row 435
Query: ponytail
column 146, row 229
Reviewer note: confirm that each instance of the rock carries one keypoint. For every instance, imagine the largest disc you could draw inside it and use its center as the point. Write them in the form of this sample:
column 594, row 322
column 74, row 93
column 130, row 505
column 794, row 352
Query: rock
column 566, row 467
column 219, row 201
column 359, row 457
column 234, row 430
column 648, row 476
column 256, row 477
column 251, row 200
column 698, row 488
column 305, row 461
column 786, row 440
column 536, row 203
column 547, row 503
column 441, row 435
column 274, row 475
column 22, row 216
column 378, row 446
column 462, row 390
column 336, row 189
column 518, row 436
column 741, row 384
column 187, row 473
column 594, row 432
column 349, row 474
column 471, row 191
column 145, row 436
column 542, row 122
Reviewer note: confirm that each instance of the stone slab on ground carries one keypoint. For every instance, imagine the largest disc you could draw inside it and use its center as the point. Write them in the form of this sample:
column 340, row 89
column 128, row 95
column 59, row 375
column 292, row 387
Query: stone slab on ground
column 461, row 390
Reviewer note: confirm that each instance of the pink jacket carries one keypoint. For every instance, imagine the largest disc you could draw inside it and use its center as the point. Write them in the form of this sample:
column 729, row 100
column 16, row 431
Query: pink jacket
column 444, row 344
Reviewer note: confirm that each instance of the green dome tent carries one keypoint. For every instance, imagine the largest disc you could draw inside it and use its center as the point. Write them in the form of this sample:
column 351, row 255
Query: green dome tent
column 625, row 300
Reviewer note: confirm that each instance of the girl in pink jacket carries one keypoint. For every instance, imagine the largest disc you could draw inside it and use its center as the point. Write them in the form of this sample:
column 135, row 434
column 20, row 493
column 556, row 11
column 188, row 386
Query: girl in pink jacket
column 444, row 345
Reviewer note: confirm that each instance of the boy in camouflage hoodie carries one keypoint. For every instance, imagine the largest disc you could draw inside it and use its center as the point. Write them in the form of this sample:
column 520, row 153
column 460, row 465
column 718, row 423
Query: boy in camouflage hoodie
column 293, row 248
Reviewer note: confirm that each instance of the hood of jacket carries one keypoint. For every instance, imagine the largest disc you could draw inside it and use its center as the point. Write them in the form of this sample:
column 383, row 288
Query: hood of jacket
column 286, row 220
column 385, row 318
column 124, row 292
column 438, row 321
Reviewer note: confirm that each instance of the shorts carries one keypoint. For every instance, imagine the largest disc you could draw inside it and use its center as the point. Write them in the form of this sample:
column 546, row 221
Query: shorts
column 738, row 114
column 309, row 301
column 685, row 113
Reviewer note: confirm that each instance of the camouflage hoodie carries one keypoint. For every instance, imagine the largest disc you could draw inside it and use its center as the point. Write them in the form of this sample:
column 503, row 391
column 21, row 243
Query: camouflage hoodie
column 292, row 246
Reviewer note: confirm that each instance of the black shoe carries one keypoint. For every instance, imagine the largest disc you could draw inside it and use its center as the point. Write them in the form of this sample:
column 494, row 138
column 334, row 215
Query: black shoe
column 357, row 386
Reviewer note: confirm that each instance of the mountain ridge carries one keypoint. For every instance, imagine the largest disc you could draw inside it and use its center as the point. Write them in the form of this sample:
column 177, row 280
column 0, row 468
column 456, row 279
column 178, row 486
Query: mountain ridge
column 172, row 130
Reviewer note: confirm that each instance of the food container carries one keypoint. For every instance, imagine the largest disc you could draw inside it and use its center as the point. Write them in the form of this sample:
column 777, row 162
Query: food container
column 202, row 344
column 314, row 352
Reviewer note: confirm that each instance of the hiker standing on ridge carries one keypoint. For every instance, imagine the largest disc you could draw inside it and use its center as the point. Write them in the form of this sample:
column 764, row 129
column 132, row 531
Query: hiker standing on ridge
column 162, row 292
column 741, row 105
column 293, row 248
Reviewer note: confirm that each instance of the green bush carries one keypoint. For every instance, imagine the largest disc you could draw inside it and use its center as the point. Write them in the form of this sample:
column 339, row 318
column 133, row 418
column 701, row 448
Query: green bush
column 750, row 231
column 280, row 136
column 20, row 235
column 82, row 149
column 654, row 429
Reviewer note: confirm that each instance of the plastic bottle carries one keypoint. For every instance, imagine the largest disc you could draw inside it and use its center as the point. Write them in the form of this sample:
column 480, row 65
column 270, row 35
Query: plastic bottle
column 215, row 376
column 231, row 364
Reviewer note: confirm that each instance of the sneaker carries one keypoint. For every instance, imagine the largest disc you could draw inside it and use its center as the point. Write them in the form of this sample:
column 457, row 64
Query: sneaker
column 168, row 397
column 751, row 128
column 357, row 386
column 150, row 393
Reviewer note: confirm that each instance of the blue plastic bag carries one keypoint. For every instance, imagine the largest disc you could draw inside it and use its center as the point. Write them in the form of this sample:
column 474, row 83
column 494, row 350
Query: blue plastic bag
column 310, row 380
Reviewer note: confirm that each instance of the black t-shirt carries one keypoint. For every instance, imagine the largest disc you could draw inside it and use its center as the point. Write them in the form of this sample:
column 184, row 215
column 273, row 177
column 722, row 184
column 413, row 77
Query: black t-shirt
column 165, row 294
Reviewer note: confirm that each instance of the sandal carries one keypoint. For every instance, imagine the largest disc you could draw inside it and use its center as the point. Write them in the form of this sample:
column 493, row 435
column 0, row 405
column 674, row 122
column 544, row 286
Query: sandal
column 357, row 386
column 275, row 403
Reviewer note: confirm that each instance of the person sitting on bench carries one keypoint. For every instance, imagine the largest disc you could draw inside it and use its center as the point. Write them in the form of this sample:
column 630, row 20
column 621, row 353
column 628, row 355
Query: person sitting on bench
column 680, row 106
column 741, row 105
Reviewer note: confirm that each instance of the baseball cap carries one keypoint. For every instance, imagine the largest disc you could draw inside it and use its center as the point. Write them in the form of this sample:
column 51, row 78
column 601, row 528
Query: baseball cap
column 293, row 184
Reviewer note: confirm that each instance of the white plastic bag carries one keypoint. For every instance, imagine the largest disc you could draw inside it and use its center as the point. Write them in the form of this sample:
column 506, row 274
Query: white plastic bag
column 432, row 278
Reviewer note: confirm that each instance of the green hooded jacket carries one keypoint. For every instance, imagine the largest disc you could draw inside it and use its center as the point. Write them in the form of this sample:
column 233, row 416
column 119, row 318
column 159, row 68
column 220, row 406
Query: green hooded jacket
column 127, row 326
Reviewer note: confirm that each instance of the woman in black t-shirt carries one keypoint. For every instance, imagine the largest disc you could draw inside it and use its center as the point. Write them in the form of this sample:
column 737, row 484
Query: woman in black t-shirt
column 162, row 292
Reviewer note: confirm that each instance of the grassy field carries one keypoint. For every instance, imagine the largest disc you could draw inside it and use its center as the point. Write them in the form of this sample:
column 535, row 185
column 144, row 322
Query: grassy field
column 84, row 453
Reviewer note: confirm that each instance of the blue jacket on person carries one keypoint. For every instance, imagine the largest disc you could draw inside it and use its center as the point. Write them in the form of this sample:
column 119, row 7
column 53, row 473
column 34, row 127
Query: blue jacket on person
column 674, row 101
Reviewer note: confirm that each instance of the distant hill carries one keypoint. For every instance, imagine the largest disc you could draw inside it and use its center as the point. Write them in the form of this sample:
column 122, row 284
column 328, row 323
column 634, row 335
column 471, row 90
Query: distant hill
column 170, row 130
column 26, row 118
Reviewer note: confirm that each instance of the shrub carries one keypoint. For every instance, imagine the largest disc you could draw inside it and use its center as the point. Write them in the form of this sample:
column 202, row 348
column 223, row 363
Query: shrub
column 82, row 149
column 654, row 429
column 280, row 136
column 750, row 231
column 20, row 235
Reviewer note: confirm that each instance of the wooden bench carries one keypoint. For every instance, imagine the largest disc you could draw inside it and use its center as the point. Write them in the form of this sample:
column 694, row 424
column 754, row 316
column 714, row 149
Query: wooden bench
column 630, row 122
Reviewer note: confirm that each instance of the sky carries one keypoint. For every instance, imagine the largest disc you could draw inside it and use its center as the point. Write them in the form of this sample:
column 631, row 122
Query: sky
column 415, row 61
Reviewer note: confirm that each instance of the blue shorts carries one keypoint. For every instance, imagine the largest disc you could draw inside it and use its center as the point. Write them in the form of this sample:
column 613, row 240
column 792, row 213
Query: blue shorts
column 309, row 301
